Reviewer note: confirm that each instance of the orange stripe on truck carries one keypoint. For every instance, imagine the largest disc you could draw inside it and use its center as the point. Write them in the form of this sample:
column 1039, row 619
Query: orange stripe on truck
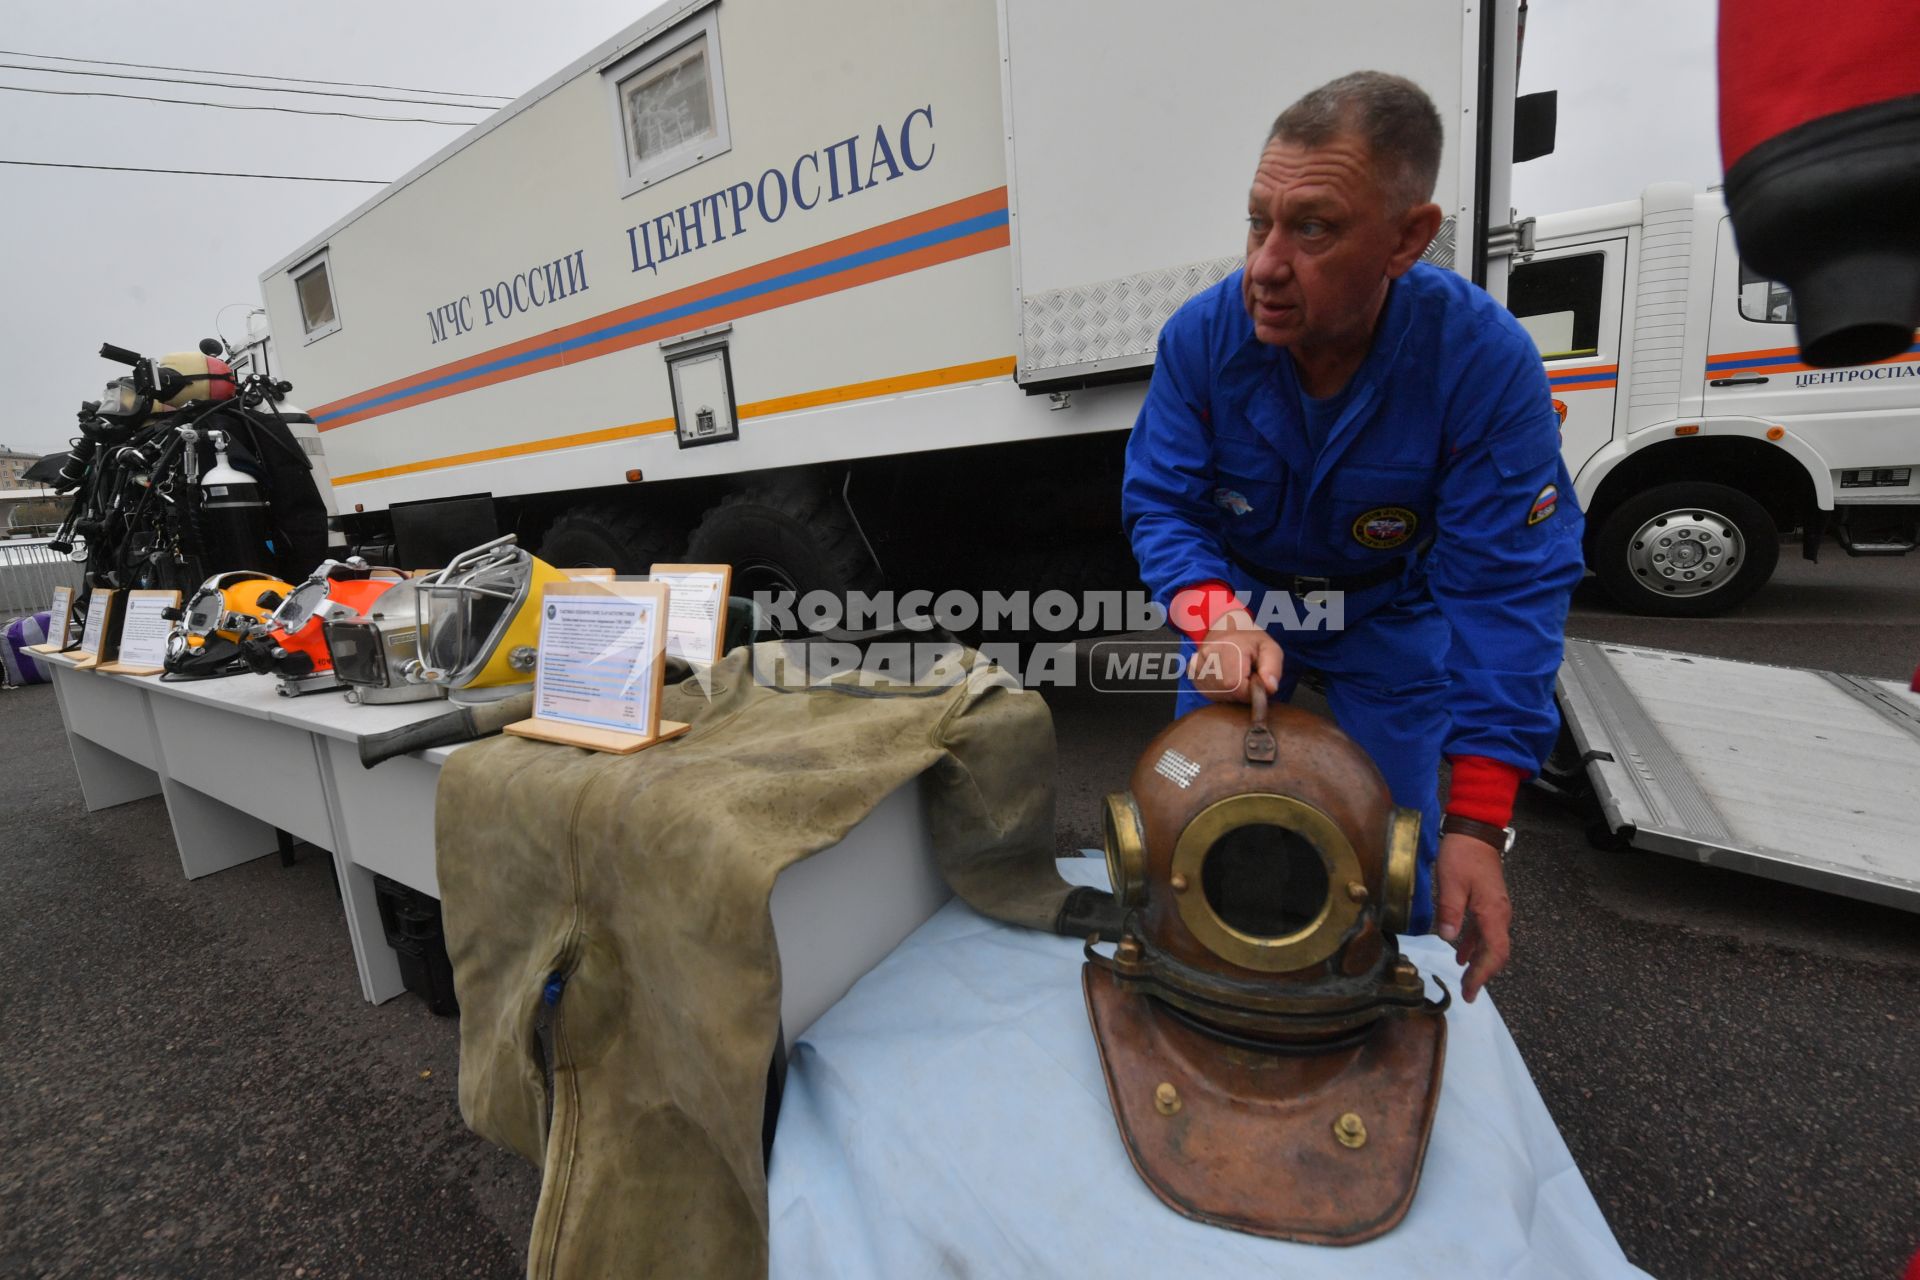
column 977, row 371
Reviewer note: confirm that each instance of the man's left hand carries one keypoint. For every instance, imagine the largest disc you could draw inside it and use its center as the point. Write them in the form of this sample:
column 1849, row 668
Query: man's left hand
column 1471, row 907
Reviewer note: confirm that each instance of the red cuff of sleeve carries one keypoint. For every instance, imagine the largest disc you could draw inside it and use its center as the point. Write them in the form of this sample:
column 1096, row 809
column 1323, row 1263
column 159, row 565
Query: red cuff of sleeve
column 1196, row 608
column 1483, row 789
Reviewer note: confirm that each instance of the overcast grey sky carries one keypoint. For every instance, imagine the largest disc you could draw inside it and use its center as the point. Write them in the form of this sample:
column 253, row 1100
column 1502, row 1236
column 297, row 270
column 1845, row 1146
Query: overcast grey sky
column 147, row 261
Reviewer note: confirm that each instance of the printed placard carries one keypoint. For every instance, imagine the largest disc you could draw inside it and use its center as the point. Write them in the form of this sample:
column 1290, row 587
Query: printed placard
column 95, row 635
column 601, row 665
column 696, row 609
column 588, row 575
column 59, row 623
column 144, row 627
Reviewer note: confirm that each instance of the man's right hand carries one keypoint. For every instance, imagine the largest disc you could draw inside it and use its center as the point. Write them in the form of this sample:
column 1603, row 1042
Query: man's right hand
column 1234, row 647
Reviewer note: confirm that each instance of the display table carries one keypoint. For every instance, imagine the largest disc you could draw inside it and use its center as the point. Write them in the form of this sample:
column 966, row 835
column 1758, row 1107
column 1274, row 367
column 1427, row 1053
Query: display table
column 235, row 760
column 949, row 1117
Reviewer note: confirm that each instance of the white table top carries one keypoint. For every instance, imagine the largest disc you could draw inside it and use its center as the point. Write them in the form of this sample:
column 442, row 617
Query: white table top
column 328, row 714
column 332, row 716
column 248, row 695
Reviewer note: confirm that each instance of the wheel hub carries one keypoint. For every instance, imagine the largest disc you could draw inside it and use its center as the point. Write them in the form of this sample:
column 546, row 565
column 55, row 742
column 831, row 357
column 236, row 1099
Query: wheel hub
column 1687, row 552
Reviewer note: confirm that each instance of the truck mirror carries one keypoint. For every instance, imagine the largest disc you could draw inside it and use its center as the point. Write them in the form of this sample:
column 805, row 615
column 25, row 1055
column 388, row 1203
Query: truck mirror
column 1536, row 118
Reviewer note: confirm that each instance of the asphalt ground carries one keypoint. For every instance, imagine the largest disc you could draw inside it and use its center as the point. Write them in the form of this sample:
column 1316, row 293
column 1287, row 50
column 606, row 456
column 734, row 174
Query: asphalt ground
column 190, row 1084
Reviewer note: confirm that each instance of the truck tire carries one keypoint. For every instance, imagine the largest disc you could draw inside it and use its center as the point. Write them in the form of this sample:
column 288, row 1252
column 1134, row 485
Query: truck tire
column 1691, row 549
column 608, row 535
column 781, row 538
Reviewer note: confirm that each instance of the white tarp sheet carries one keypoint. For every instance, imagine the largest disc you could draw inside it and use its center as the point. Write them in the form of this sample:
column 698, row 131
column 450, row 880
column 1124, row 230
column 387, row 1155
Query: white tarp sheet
column 948, row 1117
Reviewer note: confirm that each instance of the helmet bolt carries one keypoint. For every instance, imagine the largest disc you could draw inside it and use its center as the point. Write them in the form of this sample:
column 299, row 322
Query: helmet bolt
column 1179, row 882
column 1166, row 1099
column 1356, row 892
column 1351, row 1131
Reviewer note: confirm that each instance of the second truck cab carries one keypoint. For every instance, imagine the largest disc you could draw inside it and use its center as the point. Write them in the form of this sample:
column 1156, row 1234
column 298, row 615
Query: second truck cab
column 1694, row 432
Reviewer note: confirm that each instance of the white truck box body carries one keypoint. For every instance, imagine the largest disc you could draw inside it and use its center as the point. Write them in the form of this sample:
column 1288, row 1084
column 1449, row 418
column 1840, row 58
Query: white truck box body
column 1127, row 165
column 1041, row 149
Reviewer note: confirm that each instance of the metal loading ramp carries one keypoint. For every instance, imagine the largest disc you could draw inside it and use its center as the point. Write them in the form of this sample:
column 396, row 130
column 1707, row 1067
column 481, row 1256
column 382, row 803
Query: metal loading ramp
column 1804, row 776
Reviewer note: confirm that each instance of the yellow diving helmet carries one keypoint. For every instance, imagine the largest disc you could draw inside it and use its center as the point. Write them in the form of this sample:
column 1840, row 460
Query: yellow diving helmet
column 205, row 640
column 478, row 638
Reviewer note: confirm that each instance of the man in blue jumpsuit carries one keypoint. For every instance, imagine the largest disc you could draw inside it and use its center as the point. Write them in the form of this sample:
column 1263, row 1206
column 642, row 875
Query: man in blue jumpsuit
column 1338, row 416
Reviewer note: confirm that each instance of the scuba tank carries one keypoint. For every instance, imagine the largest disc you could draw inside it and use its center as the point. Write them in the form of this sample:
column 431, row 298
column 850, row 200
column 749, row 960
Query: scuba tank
column 234, row 525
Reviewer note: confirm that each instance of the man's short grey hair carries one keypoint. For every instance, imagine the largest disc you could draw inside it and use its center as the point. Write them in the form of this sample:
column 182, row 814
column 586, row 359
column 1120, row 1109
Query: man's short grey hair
column 1391, row 114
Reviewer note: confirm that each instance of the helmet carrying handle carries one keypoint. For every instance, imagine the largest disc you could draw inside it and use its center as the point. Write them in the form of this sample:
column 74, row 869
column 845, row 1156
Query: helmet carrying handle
column 1260, row 747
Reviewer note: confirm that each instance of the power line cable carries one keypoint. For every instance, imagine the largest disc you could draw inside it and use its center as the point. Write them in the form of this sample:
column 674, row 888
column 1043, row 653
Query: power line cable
column 199, row 173
column 230, row 106
column 250, row 88
column 244, row 75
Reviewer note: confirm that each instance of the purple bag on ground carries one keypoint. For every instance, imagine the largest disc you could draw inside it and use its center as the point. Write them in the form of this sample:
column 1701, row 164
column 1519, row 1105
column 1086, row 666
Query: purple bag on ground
column 16, row 664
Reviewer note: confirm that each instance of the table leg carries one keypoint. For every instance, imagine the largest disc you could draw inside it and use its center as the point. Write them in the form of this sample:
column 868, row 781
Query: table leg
column 212, row 835
column 106, row 778
column 379, row 967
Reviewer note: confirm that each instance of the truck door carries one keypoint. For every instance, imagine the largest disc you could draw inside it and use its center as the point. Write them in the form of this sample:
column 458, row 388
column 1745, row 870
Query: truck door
column 1568, row 299
column 1855, row 417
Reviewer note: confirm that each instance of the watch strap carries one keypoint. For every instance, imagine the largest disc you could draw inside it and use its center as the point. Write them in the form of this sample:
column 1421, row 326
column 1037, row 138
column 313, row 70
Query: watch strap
column 1500, row 838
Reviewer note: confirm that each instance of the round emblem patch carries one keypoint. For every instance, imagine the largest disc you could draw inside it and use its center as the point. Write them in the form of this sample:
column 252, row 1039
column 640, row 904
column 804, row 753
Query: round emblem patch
column 1384, row 528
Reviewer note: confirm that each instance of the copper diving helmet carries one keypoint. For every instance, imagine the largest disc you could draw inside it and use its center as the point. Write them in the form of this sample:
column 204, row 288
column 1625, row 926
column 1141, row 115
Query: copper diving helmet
column 1273, row 1060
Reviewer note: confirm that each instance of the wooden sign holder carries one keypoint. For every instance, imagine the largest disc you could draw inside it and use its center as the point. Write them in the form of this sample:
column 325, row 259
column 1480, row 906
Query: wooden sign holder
column 90, row 660
column 720, row 614
column 594, row 737
column 59, row 624
column 117, row 666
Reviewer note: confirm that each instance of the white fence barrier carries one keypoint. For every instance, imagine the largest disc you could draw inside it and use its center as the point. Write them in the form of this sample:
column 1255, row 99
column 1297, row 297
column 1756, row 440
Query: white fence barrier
column 29, row 571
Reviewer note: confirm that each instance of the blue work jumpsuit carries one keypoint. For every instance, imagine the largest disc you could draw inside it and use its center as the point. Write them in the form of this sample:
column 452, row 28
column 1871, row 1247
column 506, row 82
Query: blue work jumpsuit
column 1444, row 458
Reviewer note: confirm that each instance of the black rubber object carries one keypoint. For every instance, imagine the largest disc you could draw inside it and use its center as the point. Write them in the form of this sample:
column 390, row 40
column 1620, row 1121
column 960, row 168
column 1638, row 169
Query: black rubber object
column 1828, row 209
column 608, row 535
column 780, row 537
column 455, row 726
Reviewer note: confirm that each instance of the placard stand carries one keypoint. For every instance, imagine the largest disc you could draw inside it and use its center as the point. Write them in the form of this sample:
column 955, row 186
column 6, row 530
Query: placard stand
column 139, row 604
column 611, row 741
column 557, row 728
column 707, row 647
column 98, row 631
column 59, row 624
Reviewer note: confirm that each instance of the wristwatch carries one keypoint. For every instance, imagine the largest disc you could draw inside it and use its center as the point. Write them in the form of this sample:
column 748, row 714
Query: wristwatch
column 1500, row 838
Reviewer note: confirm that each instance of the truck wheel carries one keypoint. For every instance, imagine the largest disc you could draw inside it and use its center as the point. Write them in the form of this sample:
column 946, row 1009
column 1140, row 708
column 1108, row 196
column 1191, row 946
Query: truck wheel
column 1686, row 550
column 608, row 535
column 779, row 538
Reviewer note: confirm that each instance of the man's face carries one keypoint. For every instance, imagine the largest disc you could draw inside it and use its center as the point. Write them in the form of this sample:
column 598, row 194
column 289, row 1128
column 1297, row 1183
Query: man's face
column 1321, row 245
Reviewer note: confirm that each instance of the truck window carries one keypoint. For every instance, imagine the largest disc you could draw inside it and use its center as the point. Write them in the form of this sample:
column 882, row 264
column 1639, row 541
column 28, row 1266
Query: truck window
column 671, row 103
column 1557, row 302
column 1767, row 301
column 313, row 284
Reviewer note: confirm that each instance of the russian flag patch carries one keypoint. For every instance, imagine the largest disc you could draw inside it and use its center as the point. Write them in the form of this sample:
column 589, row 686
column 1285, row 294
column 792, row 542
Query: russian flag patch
column 1545, row 503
